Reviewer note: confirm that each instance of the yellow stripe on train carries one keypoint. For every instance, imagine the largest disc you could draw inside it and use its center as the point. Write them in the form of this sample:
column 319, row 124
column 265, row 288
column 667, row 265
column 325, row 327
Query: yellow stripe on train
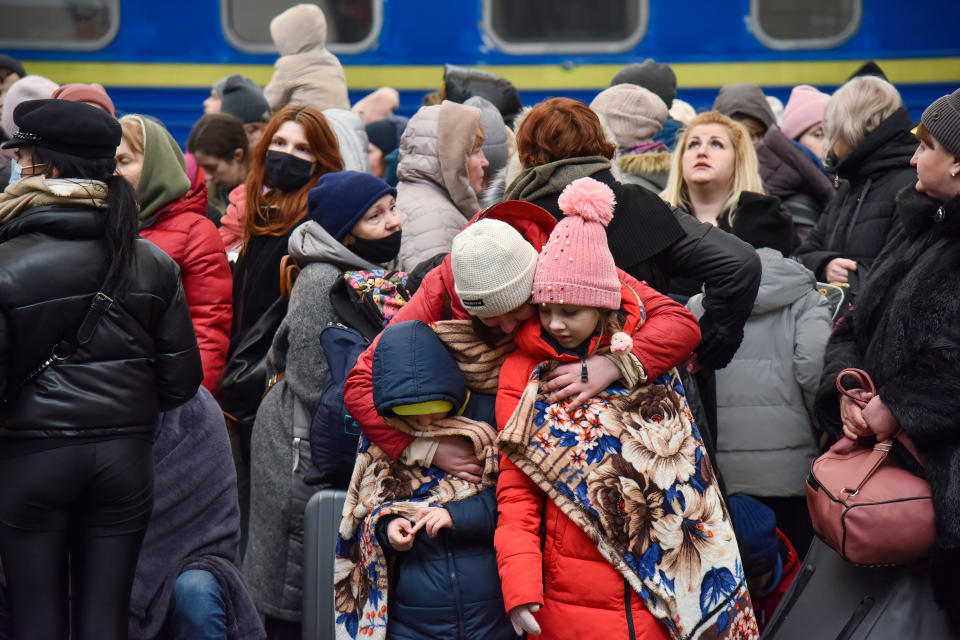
column 525, row 77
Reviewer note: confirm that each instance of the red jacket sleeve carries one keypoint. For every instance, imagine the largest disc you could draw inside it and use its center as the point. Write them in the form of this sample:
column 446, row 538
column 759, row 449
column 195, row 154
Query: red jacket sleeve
column 428, row 305
column 208, row 286
column 669, row 335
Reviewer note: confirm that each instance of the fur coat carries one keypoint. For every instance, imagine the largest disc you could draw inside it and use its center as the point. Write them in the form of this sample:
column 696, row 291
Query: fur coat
column 905, row 332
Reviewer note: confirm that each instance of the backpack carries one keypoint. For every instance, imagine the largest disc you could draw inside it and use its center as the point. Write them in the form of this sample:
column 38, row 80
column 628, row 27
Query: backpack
column 364, row 301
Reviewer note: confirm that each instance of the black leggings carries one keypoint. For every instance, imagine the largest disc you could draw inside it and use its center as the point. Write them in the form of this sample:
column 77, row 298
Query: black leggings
column 87, row 502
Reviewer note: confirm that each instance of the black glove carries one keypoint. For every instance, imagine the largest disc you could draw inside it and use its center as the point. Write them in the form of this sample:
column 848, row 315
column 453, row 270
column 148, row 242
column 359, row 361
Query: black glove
column 717, row 347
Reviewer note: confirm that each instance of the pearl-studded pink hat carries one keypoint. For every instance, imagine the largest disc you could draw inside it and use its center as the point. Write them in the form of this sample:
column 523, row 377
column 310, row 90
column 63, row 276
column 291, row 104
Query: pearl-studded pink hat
column 575, row 266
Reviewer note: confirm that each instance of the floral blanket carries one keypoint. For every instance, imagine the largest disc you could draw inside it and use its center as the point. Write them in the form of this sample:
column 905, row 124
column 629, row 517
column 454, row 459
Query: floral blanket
column 631, row 471
column 380, row 487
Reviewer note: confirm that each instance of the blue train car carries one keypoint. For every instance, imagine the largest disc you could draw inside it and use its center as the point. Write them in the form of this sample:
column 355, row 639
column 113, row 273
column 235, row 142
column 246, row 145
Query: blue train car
column 161, row 56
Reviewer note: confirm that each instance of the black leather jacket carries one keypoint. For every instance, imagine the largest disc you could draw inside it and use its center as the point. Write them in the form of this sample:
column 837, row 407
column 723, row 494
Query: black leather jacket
column 142, row 358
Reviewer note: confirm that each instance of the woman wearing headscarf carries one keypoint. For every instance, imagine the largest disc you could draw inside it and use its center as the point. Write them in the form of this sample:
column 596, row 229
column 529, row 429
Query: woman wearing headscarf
column 173, row 217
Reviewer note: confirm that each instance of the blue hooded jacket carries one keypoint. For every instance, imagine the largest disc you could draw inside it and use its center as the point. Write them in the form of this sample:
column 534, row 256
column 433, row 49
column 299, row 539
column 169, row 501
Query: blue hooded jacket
column 448, row 586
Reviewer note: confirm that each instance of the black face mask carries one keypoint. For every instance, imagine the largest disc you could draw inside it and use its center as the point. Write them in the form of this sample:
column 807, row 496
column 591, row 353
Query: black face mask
column 378, row 251
column 286, row 172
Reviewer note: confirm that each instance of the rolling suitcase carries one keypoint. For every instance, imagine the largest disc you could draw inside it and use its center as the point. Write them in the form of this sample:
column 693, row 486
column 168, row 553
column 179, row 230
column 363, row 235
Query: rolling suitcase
column 321, row 522
column 832, row 599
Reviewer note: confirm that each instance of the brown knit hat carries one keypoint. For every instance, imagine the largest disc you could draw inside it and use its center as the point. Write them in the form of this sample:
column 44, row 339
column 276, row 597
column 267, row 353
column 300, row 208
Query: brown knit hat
column 942, row 120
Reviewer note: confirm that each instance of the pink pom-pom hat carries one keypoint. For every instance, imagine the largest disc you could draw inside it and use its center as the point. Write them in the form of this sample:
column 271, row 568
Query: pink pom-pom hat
column 575, row 266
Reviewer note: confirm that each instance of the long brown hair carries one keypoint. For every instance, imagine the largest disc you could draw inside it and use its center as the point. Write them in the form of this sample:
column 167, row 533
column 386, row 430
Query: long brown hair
column 275, row 212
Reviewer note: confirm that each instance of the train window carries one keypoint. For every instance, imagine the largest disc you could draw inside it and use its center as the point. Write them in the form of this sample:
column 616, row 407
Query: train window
column 575, row 26
column 58, row 24
column 813, row 24
column 352, row 25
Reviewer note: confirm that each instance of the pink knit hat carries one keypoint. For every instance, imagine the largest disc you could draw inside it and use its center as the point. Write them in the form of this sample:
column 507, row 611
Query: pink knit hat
column 804, row 109
column 575, row 266
column 93, row 94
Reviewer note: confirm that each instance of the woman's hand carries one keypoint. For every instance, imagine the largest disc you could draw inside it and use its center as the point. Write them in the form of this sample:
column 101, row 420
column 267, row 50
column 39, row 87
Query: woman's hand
column 401, row 533
column 456, row 456
column 879, row 420
column 837, row 270
column 432, row 519
column 851, row 415
column 521, row 617
column 564, row 381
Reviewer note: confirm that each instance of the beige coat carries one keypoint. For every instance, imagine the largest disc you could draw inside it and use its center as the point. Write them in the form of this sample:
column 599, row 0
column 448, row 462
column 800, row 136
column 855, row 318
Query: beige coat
column 306, row 73
column 434, row 197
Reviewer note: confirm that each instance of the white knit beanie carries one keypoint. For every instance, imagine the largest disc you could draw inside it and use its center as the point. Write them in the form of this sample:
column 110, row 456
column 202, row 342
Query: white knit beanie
column 493, row 267
column 634, row 114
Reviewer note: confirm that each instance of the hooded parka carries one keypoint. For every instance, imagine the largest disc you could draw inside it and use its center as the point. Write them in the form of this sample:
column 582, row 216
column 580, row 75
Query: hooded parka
column 434, row 197
column 766, row 440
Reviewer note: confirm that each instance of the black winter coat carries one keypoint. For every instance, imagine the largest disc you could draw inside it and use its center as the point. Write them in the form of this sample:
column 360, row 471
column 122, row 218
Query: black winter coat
column 142, row 358
column 654, row 244
column 905, row 332
column 858, row 222
column 256, row 280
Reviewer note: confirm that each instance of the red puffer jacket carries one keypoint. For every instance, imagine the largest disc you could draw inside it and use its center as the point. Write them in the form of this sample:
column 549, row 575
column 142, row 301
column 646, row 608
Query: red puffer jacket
column 669, row 329
column 185, row 234
column 581, row 595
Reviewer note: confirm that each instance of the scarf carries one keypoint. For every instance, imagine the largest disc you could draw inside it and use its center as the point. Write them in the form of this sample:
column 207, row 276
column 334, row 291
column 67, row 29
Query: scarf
column 630, row 470
column 549, row 179
column 381, row 487
column 39, row 191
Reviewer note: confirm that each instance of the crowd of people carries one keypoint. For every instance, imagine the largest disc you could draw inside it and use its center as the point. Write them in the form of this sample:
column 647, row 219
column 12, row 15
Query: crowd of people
column 571, row 363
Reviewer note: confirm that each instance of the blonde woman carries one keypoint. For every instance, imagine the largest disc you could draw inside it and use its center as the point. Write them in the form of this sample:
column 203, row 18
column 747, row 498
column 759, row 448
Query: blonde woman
column 869, row 147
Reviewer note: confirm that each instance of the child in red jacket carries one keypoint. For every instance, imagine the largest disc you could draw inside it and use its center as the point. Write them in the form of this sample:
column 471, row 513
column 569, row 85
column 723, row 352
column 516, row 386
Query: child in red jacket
column 609, row 514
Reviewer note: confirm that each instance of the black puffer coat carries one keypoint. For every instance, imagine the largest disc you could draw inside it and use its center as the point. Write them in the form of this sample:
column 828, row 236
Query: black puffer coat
column 142, row 358
column 905, row 332
column 857, row 223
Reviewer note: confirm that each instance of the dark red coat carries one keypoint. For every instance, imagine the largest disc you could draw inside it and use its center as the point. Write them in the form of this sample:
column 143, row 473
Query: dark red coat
column 581, row 594
column 183, row 231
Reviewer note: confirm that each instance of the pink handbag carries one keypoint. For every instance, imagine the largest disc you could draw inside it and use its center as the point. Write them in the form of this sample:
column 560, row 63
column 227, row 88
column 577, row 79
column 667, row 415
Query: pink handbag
column 863, row 504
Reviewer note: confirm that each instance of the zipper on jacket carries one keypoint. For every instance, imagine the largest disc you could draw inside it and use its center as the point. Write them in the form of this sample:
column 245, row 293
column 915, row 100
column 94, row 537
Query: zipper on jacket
column 451, row 568
column 296, row 453
column 632, row 633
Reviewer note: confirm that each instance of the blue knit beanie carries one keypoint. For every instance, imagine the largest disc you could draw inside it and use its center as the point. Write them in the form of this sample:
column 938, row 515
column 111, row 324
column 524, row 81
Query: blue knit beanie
column 756, row 525
column 340, row 199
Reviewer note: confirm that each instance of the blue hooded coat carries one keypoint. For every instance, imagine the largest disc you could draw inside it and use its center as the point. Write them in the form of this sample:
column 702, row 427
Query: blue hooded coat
column 447, row 586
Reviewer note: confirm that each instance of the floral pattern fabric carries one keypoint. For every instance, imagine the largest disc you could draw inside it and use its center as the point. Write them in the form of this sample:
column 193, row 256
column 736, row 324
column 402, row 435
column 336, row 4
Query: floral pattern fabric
column 630, row 470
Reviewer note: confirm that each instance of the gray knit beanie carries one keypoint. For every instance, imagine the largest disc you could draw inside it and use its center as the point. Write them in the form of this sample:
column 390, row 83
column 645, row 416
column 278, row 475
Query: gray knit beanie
column 634, row 114
column 242, row 98
column 493, row 268
column 652, row 75
column 495, row 144
column 942, row 120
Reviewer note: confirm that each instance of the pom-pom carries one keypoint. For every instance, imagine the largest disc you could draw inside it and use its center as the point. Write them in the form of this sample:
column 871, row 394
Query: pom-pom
column 620, row 342
column 588, row 198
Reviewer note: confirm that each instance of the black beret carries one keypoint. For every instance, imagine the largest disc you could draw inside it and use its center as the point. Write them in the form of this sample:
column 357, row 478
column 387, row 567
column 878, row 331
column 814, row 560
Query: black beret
column 67, row 127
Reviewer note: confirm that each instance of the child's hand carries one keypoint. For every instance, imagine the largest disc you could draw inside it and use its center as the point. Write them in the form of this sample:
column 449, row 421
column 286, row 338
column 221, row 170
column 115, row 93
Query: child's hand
column 401, row 533
column 432, row 519
column 456, row 456
column 521, row 617
column 564, row 381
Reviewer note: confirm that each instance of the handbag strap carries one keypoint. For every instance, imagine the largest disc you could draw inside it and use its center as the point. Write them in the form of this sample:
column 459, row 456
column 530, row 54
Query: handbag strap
column 863, row 380
column 65, row 348
column 872, row 462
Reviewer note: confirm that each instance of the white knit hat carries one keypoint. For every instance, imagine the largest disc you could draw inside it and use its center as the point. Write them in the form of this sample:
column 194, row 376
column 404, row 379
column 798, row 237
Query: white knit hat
column 493, row 267
column 634, row 114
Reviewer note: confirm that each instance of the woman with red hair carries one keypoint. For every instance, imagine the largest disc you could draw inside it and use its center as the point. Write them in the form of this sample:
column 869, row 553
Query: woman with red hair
column 561, row 140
